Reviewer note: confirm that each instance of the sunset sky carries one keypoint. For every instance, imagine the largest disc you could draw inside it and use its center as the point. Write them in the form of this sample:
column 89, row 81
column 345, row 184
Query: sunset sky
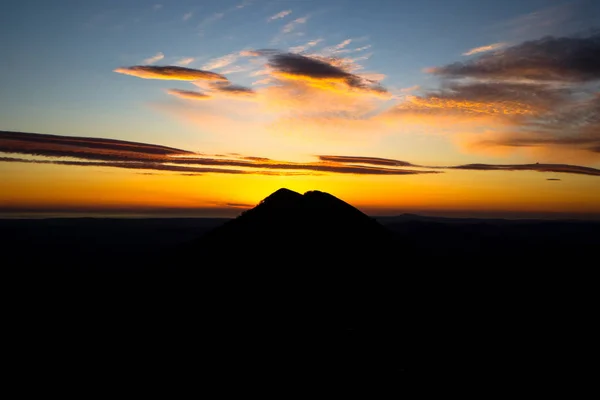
column 203, row 108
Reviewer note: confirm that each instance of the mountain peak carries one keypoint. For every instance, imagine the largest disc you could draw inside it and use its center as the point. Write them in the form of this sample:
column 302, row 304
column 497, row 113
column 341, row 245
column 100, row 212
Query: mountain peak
column 289, row 218
column 281, row 197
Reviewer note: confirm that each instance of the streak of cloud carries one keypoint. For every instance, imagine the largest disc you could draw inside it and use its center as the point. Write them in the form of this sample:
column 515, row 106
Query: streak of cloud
column 306, row 46
column 100, row 152
column 366, row 160
column 188, row 94
column 291, row 26
column 170, row 72
column 483, row 49
column 279, row 15
column 185, row 61
column 114, row 153
column 157, row 57
column 564, row 168
column 221, row 62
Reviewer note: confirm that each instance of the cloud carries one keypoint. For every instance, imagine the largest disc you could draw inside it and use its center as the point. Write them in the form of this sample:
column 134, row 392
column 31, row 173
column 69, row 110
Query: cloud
column 188, row 94
column 575, row 59
column 560, row 168
column 367, row 160
column 539, row 98
column 169, row 73
column 157, row 57
column 279, row 15
column 483, row 49
column 157, row 7
column 120, row 154
column 553, row 179
column 291, row 26
column 84, row 147
column 187, row 16
column 221, row 62
column 100, row 152
column 319, row 73
column 343, row 44
column 211, row 19
column 306, row 46
column 231, row 89
column 185, row 61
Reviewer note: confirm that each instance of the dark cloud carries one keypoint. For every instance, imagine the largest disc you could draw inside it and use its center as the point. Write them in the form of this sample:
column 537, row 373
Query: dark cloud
column 141, row 156
column 188, row 94
column 553, row 179
column 304, row 67
column 366, row 160
column 229, row 88
column 535, row 96
column 572, row 124
column 550, row 58
column 170, row 72
column 570, row 169
column 82, row 147
column 113, row 153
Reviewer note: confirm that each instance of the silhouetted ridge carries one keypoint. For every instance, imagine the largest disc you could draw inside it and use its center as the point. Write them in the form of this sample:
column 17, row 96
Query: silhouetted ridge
column 288, row 218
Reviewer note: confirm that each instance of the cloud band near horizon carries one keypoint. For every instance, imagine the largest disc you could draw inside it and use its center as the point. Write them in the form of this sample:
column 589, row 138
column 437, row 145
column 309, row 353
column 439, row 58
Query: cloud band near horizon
column 97, row 152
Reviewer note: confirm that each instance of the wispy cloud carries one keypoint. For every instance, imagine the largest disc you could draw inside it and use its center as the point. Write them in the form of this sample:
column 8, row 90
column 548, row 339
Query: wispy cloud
column 279, row 15
column 210, row 20
column 187, row 15
column 185, row 61
column 157, row 57
column 291, row 26
column 221, row 62
column 483, row 49
column 157, row 7
column 306, row 46
column 558, row 168
column 169, row 73
column 343, row 44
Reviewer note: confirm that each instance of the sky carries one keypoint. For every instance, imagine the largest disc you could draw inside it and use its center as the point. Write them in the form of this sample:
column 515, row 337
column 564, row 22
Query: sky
column 203, row 108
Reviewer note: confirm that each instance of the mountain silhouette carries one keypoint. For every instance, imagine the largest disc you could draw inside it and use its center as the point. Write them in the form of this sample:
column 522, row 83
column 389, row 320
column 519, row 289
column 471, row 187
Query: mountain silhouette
column 290, row 219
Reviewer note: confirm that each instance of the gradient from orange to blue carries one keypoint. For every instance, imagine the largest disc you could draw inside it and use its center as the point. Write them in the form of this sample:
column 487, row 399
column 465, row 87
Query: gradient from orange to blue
column 436, row 86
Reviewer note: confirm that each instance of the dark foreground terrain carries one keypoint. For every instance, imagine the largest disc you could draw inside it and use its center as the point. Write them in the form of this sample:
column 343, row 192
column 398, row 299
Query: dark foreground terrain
column 306, row 288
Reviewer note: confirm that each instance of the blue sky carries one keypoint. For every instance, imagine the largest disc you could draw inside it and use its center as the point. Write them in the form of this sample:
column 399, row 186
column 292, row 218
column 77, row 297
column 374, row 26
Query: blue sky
column 59, row 56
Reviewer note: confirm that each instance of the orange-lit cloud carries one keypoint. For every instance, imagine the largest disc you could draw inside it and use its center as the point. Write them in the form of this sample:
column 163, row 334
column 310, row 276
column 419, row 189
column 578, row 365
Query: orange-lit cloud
column 171, row 72
column 483, row 49
column 319, row 72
